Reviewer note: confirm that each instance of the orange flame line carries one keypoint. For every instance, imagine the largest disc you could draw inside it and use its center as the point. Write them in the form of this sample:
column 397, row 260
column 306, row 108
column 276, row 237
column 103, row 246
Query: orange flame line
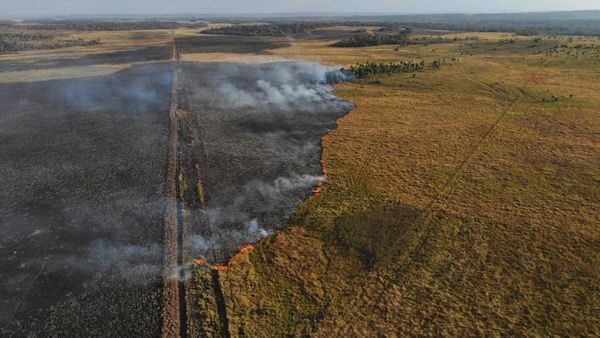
column 249, row 247
column 223, row 267
column 317, row 189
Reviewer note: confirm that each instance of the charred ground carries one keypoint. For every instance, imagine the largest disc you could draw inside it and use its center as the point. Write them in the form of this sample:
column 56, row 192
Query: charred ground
column 251, row 148
column 82, row 172
column 85, row 165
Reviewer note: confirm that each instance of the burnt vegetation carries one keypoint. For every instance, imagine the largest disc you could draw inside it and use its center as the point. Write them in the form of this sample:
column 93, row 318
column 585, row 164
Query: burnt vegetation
column 89, row 185
column 383, row 34
column 281, row 109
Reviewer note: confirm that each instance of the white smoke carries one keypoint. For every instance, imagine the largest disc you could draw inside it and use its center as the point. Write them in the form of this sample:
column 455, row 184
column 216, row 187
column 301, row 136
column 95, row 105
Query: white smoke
column 283, row 96
column 135, row 264
column 267, row 193
column 236, row 96
column 252, row 232
column 199, row 243
column 255, row 229
column 288, row 86
column 282, row 185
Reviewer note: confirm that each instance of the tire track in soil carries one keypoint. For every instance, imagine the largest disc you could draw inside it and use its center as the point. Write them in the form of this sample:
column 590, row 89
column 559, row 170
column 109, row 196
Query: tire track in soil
column 181, row 263
column 184, row 103
column 425, row 222
column 443, row 193
column 221, row 308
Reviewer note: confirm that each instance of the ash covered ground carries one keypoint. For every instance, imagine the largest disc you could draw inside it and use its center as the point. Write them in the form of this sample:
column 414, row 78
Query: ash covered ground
column 250, row 148
column 82, row 172
column 83, row 166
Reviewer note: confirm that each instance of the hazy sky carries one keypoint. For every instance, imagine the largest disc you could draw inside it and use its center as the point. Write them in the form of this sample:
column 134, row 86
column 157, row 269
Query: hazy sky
column 67, row 7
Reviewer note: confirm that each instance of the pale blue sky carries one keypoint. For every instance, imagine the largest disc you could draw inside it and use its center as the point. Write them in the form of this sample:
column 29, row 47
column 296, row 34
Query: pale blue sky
column 73, row 7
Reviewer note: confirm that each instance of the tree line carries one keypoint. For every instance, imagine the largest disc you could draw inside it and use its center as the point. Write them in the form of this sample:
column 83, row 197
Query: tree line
column 574, row 23
column 107, row 25
column 18, row 41
column 526, row 30
column 370, row 70
column 275, row 29
column 381, row 37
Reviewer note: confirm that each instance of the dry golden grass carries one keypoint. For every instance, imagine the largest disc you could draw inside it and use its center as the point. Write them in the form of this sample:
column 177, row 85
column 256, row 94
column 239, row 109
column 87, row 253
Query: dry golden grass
column 321, row 51
column 462, row 202
column 227, row 57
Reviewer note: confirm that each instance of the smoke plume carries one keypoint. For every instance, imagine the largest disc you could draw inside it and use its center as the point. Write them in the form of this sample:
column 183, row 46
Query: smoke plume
column 274, row 115
column 288, row 86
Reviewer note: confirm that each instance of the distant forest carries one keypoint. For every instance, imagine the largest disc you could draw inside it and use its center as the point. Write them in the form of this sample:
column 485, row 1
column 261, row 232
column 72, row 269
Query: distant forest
column 381, row 37
column 17, row 41
column 277, row 29
column 388, row 34
column 575, row 23
column 98, row 25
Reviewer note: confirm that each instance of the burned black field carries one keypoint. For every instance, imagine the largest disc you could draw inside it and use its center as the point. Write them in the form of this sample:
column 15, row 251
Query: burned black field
column 134, row 54
column 228, row 44
column 82, row 176
column 84, row 167
column 250, row 137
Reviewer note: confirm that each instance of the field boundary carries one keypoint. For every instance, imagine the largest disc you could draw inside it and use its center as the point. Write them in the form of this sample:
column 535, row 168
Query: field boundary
column 172, row 325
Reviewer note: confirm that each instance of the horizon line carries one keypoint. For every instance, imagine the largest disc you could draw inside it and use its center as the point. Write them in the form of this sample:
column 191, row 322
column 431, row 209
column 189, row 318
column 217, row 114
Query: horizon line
column 290, row 14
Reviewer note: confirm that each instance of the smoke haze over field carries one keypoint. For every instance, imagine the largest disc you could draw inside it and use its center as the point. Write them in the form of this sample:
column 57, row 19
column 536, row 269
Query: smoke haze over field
column 274, row 115
column 304, row 83
column 67, row 7
column 280, row 110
